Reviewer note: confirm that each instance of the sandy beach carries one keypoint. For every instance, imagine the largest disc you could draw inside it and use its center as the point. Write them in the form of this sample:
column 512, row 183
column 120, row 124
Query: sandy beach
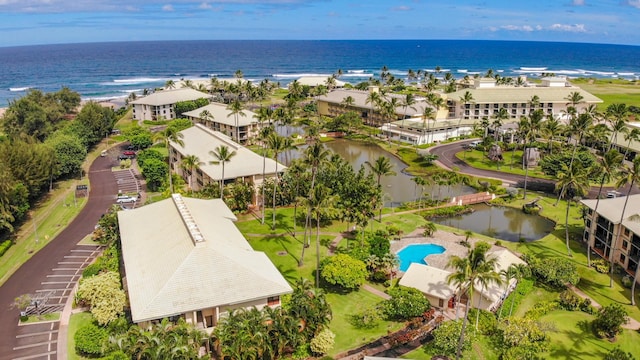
column 2, row 110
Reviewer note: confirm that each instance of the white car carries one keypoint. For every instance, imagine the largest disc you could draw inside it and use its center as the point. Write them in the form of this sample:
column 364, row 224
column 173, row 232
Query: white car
column 124, row 199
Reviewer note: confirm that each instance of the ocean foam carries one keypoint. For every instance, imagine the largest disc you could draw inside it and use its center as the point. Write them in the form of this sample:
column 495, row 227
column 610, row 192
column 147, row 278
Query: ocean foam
column 290, row 76
column 525, row 68
column 355, row 71
column 17, row 89
column 138, row 80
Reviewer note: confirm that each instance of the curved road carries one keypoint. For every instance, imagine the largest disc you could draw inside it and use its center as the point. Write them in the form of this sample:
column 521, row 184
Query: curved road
column 27, row 279
column 447, row 159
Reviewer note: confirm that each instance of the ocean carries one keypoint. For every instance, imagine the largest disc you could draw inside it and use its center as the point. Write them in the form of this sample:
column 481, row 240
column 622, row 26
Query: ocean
column 107, row 71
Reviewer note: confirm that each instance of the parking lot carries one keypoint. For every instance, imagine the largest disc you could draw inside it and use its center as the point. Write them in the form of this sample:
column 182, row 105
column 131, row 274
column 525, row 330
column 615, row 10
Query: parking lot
column 39, row 340
column 128, row 183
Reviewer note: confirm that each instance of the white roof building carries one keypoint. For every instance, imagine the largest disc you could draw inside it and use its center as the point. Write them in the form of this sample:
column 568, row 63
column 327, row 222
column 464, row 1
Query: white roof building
column 223, row 120
column 185, row 257
column 161, row 104
column 314, row 81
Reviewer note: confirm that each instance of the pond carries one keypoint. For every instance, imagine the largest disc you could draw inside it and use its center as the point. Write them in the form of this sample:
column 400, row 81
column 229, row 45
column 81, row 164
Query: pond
column 396, row 189
column 500, row 222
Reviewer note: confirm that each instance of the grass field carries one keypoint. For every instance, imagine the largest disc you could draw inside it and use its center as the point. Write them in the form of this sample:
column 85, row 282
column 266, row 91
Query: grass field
column 611, row 91
column 77, row 321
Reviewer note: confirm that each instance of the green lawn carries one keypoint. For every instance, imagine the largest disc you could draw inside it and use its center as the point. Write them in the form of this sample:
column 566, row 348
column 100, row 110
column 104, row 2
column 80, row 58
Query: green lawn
column 512, row 164
column 573, row 337
column 345, row 305
column 480, row 350
column 41, row 318
column 77, row 320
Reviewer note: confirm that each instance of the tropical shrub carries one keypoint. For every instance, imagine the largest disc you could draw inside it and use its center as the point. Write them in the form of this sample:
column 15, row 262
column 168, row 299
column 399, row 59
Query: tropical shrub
column 552, row 164
column 91, row 340
column 487, row 322
column 365, row 319
column 447, row 211
column 608, row 322
column 147, row 154
column 344, row 271
column 523, row 338
column 379, row 244
column 600, row 265
column 447, row 335
column 405, row 303
column 627, row 281
column 323, row 342
column 568, row 300
column 104, row 294
column 141, row 141
column 541, row 308
column 155, row 172
column 618, row 354
column 554, row 271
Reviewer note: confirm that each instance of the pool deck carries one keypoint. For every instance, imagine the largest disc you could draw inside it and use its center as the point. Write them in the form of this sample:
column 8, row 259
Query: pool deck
column 450, row 241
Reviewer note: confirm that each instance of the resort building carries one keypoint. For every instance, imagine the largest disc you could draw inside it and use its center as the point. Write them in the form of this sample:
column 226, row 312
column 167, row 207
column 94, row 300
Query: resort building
column 333, row 104
column 185, row 258
column 419, row 131
column 432, row 282
column 245, row 166
column 314, row 81
column 608, row 236
column 488, row 98
column 160, row 104
column 217, row 117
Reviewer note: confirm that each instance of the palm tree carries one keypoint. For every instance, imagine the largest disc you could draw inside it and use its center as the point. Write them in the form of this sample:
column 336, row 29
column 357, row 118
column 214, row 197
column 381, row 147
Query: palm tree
column 381, row 167
column 619, row 114
column 277, row 144
column 319, row 204
column 465, row 99
column 222, row 155
column 170, row 134
column 578, row 125
column 315, row 155
column 521, row 271
column 609, row 165
column 477, row 268
column 630, row 175
column 170, row 84
column 572, row 182
column 235, row 109
column 407, row 102
column 190, row 162
column 551, row 128
column 264, row 135
column 498, row 119
column 206, row 115
column 633, row 135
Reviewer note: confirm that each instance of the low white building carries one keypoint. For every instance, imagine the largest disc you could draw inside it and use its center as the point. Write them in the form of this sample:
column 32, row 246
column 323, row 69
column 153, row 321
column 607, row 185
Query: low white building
column 432, row 282
column 417, row 131
column 185, row 257
column 220, row 118
column 160, row 104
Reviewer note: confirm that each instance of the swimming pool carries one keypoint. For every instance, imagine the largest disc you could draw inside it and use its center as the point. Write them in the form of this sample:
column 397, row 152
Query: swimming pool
column 415, row 253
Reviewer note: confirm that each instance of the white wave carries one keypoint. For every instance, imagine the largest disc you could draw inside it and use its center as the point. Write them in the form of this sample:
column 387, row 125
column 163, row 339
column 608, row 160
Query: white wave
column 434, row 70
column 137, row 80
column 603, row 73
column 130, row 91
column 568, row 72
column 104, row 98
column 359, row 75
column 19, row 89
column 290, row 76
column 525, row 68
column 464, row 71
column 626, row 74
column 355, row 71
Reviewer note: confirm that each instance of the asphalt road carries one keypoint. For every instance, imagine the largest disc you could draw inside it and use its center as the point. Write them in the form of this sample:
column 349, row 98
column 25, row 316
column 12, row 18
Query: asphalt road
column 29, row 276
column 447, row 158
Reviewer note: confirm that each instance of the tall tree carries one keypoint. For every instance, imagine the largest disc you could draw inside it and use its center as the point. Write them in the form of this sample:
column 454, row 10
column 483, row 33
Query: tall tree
column 629, row 176
column 609, row 165
column 577, row 126
column 170, row 135
column 188, row 163
column 315, row 155
column 633, row 135
column 466, row 99
column 572, row 182
column 477, row 268
column 408, row 102
column 235, row 109
column 382, row 166
column 222, row 155
column 277, row 144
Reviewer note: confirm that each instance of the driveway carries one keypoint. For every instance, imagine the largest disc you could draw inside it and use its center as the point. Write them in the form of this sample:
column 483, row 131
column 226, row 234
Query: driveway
column 447, row 159
column 36, row 274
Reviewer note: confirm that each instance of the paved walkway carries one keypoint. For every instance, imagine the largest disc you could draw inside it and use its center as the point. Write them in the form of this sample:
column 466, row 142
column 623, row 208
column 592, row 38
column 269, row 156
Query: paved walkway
column 633, row 324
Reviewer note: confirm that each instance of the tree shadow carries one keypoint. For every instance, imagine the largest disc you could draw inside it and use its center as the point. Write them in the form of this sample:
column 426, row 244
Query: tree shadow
column 582, row 343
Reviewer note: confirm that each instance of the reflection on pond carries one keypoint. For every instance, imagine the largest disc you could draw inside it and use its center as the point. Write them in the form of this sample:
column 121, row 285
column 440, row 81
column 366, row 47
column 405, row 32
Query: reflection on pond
column 501, row 222
column 396, row 189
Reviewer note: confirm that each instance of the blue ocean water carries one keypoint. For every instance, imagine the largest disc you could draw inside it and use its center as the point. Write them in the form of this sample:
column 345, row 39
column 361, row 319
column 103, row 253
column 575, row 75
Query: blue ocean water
column 113, row 70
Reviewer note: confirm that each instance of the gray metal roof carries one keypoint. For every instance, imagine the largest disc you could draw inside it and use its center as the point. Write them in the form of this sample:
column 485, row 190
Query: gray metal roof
column 522, row 94
column 199, row 140
column 168, row 273
column 611, row 209
column 223, row 116
column 337, row 96
column 168, row 97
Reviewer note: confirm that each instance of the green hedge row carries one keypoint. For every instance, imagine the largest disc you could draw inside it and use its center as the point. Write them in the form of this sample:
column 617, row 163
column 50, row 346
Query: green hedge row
column 5, row 246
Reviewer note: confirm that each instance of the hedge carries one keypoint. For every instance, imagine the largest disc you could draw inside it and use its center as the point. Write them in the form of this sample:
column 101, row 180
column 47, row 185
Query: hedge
column 5, row 246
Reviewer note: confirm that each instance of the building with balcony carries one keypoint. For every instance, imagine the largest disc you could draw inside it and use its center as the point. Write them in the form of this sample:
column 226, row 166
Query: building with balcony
column 609, row 237
column 217, row 117
column 185, row 258
column 160, row 104
column 246, row 166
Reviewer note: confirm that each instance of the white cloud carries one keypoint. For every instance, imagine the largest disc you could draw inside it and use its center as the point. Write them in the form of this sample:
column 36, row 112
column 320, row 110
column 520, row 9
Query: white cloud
column 578, row 28
column 167, row 7
column 525, row 28
column 634, row 3
column 401, row 8
column 577, row 2
column 204, row 6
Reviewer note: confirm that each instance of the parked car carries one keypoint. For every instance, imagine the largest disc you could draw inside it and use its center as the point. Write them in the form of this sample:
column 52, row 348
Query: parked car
column 474, row 144
column 125, row 199
column 613, row 194
column 129, row 153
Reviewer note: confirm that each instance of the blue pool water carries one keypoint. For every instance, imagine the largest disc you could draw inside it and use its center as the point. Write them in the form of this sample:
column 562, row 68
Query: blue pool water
column 415, row 253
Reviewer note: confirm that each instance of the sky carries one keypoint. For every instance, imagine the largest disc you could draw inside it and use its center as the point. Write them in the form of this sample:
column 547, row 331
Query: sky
column 30, row 22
